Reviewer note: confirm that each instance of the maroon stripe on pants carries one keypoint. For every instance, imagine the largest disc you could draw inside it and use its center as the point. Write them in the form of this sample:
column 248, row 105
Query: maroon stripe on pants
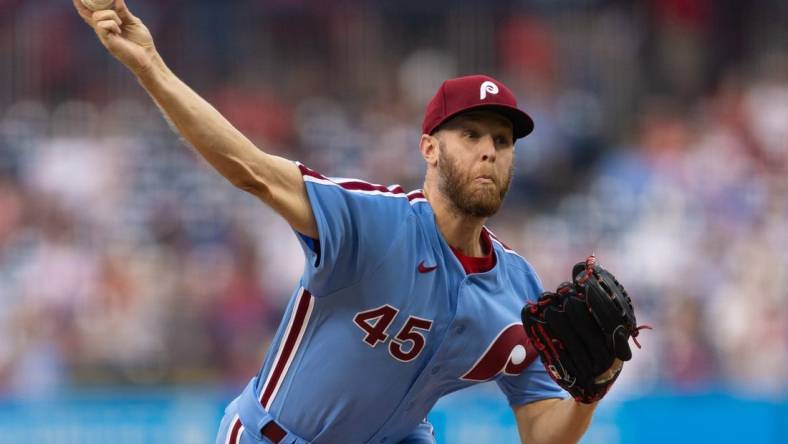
column 236, row 427
column 298, row 324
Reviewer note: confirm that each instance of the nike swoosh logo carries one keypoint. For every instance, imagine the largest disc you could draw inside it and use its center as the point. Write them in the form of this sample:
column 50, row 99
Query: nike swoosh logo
column 424, row 269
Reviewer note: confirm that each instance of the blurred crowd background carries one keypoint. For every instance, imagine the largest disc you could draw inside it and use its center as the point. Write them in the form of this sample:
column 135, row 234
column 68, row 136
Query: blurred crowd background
column 661, row 145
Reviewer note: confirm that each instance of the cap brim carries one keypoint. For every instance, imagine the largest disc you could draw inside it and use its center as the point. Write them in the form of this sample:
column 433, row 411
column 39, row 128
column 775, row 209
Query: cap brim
column 522, row 124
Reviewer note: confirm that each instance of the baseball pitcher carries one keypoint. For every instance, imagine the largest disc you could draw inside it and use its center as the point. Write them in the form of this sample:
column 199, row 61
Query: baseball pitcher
column 405, row 296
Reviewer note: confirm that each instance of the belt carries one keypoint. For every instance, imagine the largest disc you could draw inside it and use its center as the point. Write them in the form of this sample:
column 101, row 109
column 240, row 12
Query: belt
column 274, row 432
column 259, row 423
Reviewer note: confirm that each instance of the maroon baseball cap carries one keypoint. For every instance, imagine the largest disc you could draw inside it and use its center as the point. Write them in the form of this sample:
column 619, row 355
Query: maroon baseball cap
column 456, row 96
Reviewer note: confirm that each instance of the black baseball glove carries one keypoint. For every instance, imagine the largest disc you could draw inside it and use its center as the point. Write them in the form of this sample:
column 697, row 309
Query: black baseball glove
column 582, row 331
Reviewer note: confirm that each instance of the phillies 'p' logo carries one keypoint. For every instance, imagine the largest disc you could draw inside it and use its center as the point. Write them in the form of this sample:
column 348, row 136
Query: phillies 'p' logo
column 510, row 352
column 487, row 87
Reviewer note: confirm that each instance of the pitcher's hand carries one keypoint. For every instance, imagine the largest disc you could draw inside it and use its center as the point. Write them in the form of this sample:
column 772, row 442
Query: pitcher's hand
column 123, row 34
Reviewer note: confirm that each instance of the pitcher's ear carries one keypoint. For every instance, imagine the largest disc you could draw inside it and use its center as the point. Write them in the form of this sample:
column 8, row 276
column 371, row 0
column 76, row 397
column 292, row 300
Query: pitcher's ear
column 429, row 146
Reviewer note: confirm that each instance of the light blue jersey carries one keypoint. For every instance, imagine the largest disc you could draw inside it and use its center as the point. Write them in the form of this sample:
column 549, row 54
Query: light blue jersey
column 384, row 322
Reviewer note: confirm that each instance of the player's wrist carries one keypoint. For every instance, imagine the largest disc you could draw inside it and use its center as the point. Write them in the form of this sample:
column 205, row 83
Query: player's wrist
column 153, row 70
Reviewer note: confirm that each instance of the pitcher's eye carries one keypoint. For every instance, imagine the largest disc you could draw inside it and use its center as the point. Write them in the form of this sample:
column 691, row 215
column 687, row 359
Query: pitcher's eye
column 470, row 134
column 502, row 140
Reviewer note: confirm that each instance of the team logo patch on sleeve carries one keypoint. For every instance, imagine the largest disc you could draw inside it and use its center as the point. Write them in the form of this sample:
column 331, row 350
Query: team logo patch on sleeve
column 509, row 353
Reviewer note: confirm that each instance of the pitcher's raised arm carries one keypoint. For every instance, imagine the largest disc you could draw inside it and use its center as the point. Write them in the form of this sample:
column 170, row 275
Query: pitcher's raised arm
column 276, row 181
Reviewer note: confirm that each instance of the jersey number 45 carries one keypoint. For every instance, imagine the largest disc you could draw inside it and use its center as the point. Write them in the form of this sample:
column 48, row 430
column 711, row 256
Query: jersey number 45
column 406, row 344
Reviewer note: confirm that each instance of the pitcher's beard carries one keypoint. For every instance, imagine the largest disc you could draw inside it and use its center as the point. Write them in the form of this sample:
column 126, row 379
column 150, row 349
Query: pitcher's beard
column 481, row 202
